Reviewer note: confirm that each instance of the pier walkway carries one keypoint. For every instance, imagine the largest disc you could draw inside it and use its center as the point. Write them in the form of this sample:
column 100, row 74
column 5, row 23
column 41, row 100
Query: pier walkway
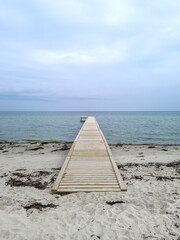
column 89, row 166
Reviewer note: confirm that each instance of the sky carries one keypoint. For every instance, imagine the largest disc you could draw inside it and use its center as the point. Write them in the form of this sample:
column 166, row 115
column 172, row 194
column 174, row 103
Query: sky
column 98, row 55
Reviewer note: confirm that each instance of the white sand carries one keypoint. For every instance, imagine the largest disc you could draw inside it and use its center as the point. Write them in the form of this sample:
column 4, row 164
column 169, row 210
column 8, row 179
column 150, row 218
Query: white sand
column 150, row 210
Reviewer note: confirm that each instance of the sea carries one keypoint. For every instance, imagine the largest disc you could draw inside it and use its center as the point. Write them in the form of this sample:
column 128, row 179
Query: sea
column 161, row 128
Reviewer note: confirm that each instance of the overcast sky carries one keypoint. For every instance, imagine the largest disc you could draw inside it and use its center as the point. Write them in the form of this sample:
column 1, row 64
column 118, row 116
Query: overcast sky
column 90, row 55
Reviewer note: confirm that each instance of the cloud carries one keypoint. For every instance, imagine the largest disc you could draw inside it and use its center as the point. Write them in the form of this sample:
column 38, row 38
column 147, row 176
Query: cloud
column 11, row 16
column 112, row 13
column 92, row 49
column 37, row 96
column 51, row 57
column 101, row 54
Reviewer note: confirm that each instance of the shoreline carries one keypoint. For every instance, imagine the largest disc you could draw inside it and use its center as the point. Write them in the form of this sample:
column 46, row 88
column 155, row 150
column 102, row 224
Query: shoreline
column 149, row 209
column 71, row 142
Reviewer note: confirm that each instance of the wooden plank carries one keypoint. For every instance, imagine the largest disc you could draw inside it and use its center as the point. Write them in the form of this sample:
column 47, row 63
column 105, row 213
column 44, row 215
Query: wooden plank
column 90, row 133
column 90, row 187
column 92, row 158
column 67, row 178
column 82, row 174
column 86, row 153
column 90, row 166
column 106, row 174
column 87, row 170
column 90, row 173
column 96, row 165
column 71, row 190
column 85, row 181
column 87, row 187
column 90, row 138
column 97, row 176
column 94, row 185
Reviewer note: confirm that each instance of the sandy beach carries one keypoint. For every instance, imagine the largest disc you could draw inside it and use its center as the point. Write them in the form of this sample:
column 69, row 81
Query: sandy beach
column 150, row 209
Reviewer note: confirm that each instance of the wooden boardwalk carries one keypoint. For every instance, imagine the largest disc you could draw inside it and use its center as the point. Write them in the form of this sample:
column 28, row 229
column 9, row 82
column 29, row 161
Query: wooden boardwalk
column 89, row 166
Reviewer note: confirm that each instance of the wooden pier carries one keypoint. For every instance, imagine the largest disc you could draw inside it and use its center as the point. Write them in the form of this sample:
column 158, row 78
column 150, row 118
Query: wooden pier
column 89, row 166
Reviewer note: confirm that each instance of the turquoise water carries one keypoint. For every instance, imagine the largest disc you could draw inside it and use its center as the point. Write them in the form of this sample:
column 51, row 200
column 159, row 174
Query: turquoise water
column 118, row 127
